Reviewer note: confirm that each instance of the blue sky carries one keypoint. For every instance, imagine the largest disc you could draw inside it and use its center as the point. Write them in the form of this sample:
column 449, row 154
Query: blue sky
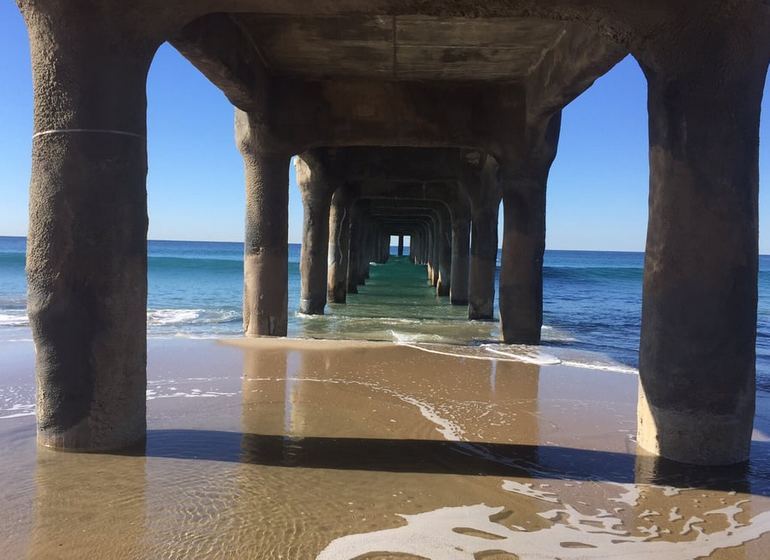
column 597, row 193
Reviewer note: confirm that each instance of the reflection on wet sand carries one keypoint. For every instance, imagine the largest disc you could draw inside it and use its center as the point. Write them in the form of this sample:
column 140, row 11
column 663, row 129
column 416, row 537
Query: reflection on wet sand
column 86, row 503
column 379, row 451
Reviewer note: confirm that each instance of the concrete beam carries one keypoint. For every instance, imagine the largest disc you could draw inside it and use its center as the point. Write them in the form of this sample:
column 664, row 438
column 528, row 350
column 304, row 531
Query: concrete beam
column 216, row 45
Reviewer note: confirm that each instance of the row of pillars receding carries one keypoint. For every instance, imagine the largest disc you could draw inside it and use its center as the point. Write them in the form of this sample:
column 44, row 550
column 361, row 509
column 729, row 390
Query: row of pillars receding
column 349, row 233
column 452, row 223
column 87, row 243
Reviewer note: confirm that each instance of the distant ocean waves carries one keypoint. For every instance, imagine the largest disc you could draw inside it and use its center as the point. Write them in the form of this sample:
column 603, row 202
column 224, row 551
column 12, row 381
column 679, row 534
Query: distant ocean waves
column 194, row 322
column 160, row 321
column 13, row 310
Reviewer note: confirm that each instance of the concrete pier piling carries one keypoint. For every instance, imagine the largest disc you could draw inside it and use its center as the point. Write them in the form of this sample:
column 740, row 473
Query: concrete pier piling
column 317, row 190
column 339, row 246
column 697, row 351
column 523, row 181
column 87, row 243
column 266, row 256
column 483, row 189
column 461, row 231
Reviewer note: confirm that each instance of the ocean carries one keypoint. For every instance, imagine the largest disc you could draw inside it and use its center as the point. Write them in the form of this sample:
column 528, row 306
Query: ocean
column 592, row 305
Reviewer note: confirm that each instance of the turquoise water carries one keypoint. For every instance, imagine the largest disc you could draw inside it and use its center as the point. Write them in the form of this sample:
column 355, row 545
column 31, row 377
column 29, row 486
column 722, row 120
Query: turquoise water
column 592, row 302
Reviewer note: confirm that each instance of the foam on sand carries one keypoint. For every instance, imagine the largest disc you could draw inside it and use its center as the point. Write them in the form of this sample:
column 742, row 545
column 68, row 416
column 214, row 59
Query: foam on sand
column 521, row 353
column 448, row 429
column 467, row 532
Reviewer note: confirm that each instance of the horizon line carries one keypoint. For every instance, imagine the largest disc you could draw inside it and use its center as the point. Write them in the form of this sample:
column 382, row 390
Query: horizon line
column 299, row 243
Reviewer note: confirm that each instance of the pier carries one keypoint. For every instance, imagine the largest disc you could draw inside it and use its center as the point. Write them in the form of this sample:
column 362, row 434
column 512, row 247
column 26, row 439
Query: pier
column 410, row 119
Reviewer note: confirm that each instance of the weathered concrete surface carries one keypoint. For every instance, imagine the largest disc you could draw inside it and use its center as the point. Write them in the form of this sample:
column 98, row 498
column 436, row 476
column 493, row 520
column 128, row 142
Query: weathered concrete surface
column 523, row 183
column 364, row 255
column 339, row 246
column 399, row 79
column 481, row 185
column 461, row 231
column 444, row 281
column 521, row 270
column 266, row 256
column 354, row 258
column 697, row 353
column 316, row 188
column 87, row 242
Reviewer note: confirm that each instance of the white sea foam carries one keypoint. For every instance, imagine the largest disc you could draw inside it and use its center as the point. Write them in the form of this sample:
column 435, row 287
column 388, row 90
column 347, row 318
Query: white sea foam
column 467, row 532
column 166, row 317
column 17, row 410
column 413, row 338
column 552, row 334
column 527, row 489
column 523, row 353
column 601, row 366
column 758, row 435
column 194, row 393
column 448, row 429
column 172, row 316
column 187, row 387
column 155, row 317
column 13, row 318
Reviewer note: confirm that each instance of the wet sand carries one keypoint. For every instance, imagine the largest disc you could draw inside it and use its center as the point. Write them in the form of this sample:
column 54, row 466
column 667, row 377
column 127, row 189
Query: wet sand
column 340, row 450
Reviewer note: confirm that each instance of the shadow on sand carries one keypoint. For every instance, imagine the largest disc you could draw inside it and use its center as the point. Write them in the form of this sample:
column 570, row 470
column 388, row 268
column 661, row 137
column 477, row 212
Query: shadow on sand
column 447, row 457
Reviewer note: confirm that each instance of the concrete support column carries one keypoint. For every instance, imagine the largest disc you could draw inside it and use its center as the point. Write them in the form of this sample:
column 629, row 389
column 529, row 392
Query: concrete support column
column 354, row 259
column 87, row 242
column 339, row 247
column 483, row 189
column 483, row 264
column 316, row 192
column 423, row 244
column 521, row 270
column 400, row 245
column 461, row 231
column 428, row 251
column 424, row 238
column 365, row 255
column 266, row 257
column 435, row 256
column 385, row 247
column 697, row 353
column 523, row 186
column 444, row 281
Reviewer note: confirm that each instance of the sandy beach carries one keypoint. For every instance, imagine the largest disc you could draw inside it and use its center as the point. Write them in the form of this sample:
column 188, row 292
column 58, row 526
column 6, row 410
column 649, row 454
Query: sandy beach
column 296, row 449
